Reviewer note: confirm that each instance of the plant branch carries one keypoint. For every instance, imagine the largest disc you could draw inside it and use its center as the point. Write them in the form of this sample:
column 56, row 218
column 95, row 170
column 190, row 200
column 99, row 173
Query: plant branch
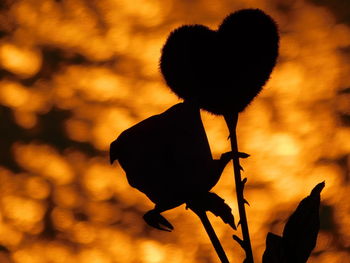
column 231, row 122
column 211, row 233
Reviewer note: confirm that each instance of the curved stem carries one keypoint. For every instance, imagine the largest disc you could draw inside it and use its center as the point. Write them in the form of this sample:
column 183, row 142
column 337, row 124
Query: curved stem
column 211, row 233
column 231, row 122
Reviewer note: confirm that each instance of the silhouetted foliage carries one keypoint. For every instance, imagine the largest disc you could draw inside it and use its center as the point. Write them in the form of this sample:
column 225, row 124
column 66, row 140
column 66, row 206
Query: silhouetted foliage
column 168, row 157
column 299, row 234
column 215, row 204
column 222, row 70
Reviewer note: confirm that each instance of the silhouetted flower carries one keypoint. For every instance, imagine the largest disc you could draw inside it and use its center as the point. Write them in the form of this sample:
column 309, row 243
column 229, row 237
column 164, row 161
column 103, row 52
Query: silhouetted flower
column 222, row 70
column 168, row 157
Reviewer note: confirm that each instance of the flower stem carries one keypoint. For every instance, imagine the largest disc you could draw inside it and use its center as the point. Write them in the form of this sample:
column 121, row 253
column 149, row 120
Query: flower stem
column 231, row 122
column 211, row 233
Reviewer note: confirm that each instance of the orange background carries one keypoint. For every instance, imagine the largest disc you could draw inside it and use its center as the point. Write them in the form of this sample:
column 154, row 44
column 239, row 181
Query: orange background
column 76, row 73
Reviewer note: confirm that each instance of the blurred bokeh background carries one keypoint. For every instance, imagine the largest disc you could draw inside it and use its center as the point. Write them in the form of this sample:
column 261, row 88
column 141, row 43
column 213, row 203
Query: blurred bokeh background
column 76, row 73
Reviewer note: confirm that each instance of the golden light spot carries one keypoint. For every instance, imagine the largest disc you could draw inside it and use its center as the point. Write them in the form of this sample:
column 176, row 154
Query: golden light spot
column 62, row 218
column 93, row 256
column 341, row 35
column 98, row 49
column 160, row 96
column 13, row 94
column 284, row 144
column 103, row 212
column 119, row 37
column 288, row 80
column 47, row 162
column 289, row 46
column 8, row 185
column 57, row 253
column 25, row 119
column 216, row 132
column 150, row 11
column 66, row 196
column 99, row 84
column 78, row 130
column 26, row 256
column 23, row 213
column 37, row 187
column 96, row 84
column 118, row 244
column 107, row 129
column 174, row 254
column 20, row 61
column 10, row 236
column 342, row 141
column 83, row 233
column 152, row 252
column 25, row 12
column 99, row 181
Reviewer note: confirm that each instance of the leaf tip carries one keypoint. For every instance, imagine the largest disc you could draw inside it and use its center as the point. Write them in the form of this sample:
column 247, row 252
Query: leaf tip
column 318, row 189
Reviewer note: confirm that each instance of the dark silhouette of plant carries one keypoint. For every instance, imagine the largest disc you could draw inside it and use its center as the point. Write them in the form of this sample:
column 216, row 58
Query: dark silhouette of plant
column 167, row 157
column 220, row 71
column 299, row 234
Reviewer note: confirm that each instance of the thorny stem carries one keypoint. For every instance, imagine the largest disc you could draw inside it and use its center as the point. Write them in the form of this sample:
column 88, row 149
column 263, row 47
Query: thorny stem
column 231, row 122
column 211, row 233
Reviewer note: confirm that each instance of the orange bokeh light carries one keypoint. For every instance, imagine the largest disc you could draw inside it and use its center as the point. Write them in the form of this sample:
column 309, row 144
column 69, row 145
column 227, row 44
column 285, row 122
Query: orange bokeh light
column 75, row 74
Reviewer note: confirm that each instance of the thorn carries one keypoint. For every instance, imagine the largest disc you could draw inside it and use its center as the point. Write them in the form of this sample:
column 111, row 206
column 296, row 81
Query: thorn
column 243, row 182
column 239, row 222
column 243, row 155
column 234, row 227
column 239, row 241
column 241, row 168
column 246, row 202
column 232, row 224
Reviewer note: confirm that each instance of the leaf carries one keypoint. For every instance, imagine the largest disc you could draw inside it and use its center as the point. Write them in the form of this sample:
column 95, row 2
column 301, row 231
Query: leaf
column 299, row 234
column 301, row 230
column 215, row 204
column 274, row 250
column 156, row 220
